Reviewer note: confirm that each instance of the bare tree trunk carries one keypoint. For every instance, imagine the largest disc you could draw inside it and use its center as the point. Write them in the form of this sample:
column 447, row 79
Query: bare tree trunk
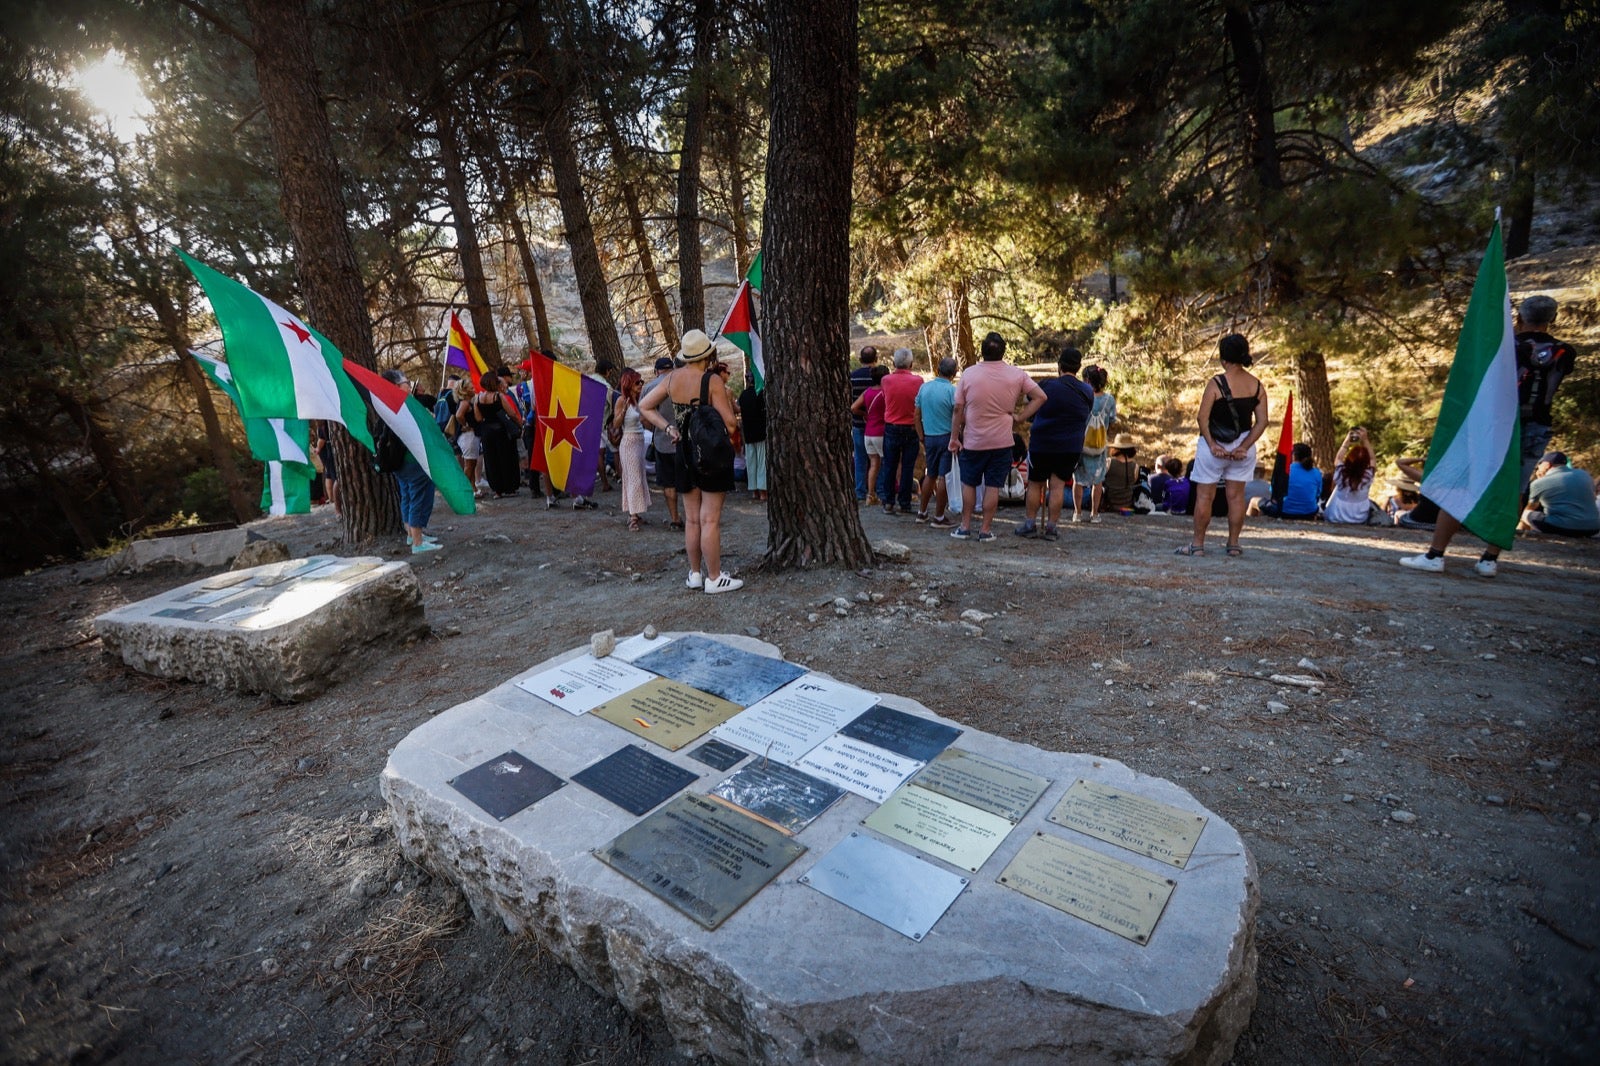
column 958, row 309
column 40, row 460
column 810, row 157
column 313, row 204
column 592, row 291
column 530, row 274
column 647, row 266
column 1314, row 405
column 737, row 212
column 221, row 448
column 472, row 275
column 1519, row 231
column 696, row 96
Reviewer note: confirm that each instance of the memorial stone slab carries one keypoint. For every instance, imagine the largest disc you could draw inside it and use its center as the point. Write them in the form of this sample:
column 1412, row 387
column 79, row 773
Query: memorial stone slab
column 283, row 629
column 795, row 976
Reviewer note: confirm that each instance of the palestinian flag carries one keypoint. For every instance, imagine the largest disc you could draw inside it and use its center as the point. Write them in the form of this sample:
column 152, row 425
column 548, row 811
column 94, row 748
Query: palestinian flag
column 1474, row 470
column 570, row 410
column 1285, row 453
column 285, row 489
column 753, row 275
column 417, row 430
column 461, row 352
column 282, row 444
column 740, row 328
column 282, row 368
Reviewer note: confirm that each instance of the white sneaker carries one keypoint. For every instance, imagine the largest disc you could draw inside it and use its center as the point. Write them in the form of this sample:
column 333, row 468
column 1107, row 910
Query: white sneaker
column 723, row 583
column 695, row 581
column 1422, row 562
column 1487, row 567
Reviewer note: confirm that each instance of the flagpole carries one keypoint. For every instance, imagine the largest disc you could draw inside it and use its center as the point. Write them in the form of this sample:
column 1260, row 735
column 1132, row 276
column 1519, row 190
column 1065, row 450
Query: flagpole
column 444, row 367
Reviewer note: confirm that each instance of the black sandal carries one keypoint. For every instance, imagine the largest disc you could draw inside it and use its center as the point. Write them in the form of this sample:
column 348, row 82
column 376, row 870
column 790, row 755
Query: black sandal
column 1190, row 549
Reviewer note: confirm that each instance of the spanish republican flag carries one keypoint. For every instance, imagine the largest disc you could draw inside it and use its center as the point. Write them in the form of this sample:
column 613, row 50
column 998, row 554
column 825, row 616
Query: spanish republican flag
column 570, row 410
column 461, row 352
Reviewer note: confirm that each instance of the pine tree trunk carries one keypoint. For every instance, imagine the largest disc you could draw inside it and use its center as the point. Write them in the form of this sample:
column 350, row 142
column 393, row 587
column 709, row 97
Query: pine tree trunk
column 95, row 420
column 740, row 217
column 530, row 274
column 1519, row 233
column 958, row 310
column 547, row 87
column 313, row 204
column 53, row 487
column 696, row 96
column 1313, row 406
column 221, row 449
column 647, row 266
column 484, row 334
column 811, row 150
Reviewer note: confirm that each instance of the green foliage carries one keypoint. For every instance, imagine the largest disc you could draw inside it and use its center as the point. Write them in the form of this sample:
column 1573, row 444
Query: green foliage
column 205, row 497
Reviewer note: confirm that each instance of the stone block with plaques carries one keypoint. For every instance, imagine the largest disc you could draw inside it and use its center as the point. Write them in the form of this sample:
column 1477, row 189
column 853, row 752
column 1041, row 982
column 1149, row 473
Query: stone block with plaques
column 282, row 629
column 984, row 901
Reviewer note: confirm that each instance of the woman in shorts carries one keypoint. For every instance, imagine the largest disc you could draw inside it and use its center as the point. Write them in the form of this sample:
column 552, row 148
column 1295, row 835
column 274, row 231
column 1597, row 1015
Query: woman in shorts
column 1233, row 415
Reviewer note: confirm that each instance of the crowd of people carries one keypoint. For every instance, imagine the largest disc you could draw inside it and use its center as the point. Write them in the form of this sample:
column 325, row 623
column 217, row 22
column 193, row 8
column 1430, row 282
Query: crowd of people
column 995, row 430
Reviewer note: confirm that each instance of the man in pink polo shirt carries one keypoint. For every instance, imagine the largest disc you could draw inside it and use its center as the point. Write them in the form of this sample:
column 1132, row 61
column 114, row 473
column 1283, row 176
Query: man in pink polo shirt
column 900, row 442
column 981, row 429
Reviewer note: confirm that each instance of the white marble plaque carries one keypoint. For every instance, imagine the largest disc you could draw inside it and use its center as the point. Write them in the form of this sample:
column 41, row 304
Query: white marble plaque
column 582, row 684
column 860, row 768
column 796, row 718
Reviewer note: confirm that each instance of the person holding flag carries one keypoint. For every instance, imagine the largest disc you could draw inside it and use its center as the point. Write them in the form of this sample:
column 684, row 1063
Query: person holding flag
column 1474, row 470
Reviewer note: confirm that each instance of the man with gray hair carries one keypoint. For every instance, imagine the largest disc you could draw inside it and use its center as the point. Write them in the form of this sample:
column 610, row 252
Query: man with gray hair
column 935, row 404
column 900, row 439
column 1542, row 364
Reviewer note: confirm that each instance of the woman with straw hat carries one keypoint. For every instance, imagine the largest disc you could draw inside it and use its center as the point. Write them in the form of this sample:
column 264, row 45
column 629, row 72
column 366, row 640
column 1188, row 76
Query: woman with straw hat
column 691, row 387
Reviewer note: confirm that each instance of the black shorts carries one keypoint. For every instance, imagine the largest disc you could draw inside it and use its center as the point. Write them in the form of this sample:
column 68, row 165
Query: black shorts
column 666, row 469
column 1041, row 465
column 689, row 479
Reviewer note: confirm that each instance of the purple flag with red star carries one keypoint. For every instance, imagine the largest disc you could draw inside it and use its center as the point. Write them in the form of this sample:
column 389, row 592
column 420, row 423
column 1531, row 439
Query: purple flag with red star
column 570, row 411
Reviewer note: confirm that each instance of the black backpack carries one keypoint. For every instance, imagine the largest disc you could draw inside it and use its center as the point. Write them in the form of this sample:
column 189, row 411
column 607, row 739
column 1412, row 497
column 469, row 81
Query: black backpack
column 390, row 450
column 706, row 435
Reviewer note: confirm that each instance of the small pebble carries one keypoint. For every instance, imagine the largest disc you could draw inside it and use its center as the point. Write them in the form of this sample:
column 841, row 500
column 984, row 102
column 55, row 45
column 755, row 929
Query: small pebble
column 270, row 967
column 752, row 631
column 1427, row 647
column 1277, row 706
column 841, row 604
column 1403, row 817
column 1347, row 798
column 1488, row 656
column 1584, row 817
column 1495, row 801
column 812, row 617
column 651, row 632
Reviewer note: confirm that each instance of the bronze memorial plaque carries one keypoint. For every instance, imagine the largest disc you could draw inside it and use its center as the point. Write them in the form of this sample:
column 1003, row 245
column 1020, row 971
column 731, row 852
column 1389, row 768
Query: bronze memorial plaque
column 1129, row 821
column 1114, row 895
column 667, row 713
column 947, row 829
column 984, row 783
column 701, row 857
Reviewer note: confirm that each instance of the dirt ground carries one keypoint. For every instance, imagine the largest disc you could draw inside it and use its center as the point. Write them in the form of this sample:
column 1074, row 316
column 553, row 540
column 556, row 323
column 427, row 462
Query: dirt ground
column 193, row 876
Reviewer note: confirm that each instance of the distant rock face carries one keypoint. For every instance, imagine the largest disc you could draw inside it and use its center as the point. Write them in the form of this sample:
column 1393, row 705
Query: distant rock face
column 796, row 977
column 292, row 653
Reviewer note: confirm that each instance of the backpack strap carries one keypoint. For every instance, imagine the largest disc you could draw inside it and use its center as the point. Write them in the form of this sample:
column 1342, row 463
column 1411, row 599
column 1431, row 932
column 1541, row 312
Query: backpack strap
column 705, row 387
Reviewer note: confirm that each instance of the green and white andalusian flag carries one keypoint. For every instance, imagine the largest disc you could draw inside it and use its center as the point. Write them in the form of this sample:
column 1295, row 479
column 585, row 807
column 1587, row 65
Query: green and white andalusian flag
column 282, row 368
column 1474, row 470
column 279, row 442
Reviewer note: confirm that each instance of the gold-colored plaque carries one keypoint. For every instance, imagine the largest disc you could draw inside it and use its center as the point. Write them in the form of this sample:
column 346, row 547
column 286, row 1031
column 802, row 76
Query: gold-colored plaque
column 1116, row 896
column 947, row 829
column 1129, row 821
column 666, row 713
column 982, row 782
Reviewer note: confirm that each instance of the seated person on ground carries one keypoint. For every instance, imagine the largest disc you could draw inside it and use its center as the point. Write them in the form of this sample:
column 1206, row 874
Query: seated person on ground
column 1305, row 488
column 1560, row 500
column 1122, row 474
column 1257, row 491
column 1404, row 495
column 1349, row 502
column 1173, row 496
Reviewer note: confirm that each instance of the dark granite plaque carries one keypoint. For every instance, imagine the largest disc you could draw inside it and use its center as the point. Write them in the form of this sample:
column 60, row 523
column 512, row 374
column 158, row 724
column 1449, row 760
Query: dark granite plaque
column 904, row 734
column 740, row 677
column 634, row 779
column 701, row 857
column 779, row 795
column 506, row 784
column 717, row 755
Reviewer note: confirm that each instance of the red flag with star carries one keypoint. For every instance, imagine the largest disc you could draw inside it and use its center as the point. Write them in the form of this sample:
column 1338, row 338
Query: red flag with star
column 570, row 411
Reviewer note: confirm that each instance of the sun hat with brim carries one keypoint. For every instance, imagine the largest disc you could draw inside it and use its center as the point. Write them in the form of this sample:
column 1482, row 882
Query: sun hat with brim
column 1123, row 442
column 696, row 346
column 1405, row 484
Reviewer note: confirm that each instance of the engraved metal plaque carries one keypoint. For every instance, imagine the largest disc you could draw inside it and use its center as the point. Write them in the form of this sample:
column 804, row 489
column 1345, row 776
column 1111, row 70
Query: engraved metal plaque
column 947, row 829
column 864, row 769
column 506, row 784
column 634, row 779
column 904, row 734
column 701, row 857
column 582, row 684
column 779, row 795
column 1129, row 821
column 1116, row 896
column 665, row 712
column 717, row 755
column 711, row 666
column 796, row 718
column 986, row 784
column 891, row 887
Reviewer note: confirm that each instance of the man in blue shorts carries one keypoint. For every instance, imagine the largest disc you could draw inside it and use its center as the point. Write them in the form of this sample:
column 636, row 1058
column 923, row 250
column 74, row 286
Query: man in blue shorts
column 1056, row 443
column 982, row 425
column 935, row 406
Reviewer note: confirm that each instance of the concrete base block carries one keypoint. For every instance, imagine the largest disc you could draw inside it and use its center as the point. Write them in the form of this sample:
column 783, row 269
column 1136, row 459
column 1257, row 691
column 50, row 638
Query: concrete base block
column 286, row 638
column 194, row 551
column 795, row 976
